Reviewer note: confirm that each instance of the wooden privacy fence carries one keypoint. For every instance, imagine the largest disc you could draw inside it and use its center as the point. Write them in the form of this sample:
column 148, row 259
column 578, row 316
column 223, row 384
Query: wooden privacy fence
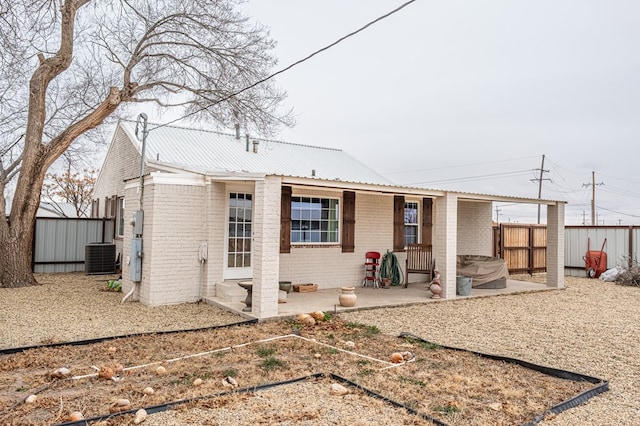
column 522, row 246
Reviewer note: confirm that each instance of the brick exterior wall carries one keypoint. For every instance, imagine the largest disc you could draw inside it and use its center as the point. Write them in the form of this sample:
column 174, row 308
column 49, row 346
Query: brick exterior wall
column 555, row 246
column 475, row 226
column 327, row 266
column 172, row 234
column 445, row 242
column 266, row 247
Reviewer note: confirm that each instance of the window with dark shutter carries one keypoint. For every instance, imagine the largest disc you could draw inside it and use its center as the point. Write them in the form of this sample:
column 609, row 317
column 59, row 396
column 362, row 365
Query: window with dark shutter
column 398, row 223
column 285, row 220
column 427, row 221
column 348, row 221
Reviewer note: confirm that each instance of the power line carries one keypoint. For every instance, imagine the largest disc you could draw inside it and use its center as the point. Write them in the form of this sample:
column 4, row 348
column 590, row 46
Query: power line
column 287, row 68
column 483, row 163
column 467, row 178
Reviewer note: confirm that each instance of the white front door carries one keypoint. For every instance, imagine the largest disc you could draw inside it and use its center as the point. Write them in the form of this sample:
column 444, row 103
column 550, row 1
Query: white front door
column 238, row 261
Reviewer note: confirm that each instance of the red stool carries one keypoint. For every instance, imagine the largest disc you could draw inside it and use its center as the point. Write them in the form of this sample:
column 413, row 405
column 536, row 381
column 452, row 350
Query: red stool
column 371, row 266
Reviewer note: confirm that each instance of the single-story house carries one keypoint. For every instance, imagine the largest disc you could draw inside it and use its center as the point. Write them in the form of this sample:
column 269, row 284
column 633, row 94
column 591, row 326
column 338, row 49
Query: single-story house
column 202, row 209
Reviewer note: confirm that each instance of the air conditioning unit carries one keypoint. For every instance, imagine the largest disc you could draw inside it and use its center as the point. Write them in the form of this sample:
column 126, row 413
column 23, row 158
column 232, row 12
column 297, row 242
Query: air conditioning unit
column 100, row 258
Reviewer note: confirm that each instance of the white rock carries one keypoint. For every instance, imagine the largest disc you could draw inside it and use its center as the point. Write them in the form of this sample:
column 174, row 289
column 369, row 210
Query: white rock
column 349, row 344
column 148, row 390
column 140, row 416
column 338, row 389
column 161, row 370
column 197, row 382
column 61, row 372
column 31, row 399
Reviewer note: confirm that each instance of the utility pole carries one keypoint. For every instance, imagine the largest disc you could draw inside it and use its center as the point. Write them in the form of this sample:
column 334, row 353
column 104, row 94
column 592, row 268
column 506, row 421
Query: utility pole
column 539, row 180
column 593, row 196
column 497, row 215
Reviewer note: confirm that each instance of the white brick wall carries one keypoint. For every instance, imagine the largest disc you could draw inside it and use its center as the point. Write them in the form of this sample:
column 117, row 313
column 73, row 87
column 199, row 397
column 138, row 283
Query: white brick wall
column 475, row 228
column 328, row 266
column 266, row 247
column 445, row 242
column 172, row 234
column 555, row 246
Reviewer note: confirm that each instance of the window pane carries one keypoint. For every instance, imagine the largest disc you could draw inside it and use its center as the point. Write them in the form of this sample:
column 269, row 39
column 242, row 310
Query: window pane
column 247, row 260
column 314, row 220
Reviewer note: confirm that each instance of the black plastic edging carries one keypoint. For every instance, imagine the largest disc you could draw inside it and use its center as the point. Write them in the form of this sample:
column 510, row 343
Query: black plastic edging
column 602, row 385
column 154, row 409
column 10, row 351
column 385, row 399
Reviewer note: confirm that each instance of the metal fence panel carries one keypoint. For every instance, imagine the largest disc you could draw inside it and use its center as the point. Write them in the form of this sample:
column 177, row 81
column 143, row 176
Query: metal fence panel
column 59, row 243
column 579, row 239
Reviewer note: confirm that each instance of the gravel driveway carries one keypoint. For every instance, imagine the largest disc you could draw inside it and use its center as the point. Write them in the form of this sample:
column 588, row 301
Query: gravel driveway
column 590, row 327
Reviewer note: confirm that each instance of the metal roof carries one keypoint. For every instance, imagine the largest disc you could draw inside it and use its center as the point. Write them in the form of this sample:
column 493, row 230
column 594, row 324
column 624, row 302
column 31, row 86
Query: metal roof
column 209, row 152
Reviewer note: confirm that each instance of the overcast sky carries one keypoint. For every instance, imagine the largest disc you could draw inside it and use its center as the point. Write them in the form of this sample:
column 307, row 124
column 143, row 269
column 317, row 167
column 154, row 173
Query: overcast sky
column 469, row 95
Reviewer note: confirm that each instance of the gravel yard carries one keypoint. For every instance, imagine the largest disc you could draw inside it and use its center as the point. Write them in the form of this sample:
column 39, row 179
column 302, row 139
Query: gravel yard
column 589, row 328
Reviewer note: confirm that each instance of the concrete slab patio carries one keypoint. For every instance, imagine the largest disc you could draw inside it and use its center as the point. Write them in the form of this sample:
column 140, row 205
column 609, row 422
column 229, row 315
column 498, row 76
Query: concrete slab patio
column 368, row 298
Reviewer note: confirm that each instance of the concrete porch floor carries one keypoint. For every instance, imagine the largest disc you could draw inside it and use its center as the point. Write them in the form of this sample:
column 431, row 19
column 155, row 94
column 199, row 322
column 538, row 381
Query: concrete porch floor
column 368, row 297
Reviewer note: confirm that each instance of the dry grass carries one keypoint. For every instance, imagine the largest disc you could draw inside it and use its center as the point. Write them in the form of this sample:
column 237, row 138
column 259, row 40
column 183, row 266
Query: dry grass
column 457, row 387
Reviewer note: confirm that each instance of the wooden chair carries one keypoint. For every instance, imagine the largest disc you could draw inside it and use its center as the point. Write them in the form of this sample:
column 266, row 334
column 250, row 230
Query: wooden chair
column 419, row 261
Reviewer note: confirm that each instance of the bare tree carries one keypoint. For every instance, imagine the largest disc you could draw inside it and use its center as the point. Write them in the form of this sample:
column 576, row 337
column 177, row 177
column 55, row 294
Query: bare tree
column 69, row 188
column 68, row 66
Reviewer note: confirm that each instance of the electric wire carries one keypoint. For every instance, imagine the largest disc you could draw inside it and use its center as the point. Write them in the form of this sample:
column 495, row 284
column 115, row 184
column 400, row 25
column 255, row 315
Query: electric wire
column 287, row 68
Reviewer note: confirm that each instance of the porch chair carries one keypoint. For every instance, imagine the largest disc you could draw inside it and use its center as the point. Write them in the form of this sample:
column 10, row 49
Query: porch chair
column 419, row 261
column 371, row 267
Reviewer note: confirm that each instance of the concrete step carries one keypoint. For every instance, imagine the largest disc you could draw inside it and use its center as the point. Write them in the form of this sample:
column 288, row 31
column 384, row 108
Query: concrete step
column 230, row 291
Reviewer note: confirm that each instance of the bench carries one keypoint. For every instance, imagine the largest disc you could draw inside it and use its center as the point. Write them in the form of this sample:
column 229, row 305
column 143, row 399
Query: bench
column 419, row 261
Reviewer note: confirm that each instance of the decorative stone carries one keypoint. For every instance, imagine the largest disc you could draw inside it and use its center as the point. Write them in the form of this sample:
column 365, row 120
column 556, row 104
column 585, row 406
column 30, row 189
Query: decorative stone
column 61, row 372
column 317, row 315
column 75, row 416
column 198, row 382
column 31, row 399
column 148, row 390
column 349, row 344
column 121, row 404
column 140, row 416
column 338, row 389
column 106, row 373
column 397, row 358
column 161, row 370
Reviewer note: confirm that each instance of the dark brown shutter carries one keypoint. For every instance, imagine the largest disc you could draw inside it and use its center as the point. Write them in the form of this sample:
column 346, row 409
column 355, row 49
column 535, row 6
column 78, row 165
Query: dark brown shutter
column 348, row 221
column 285, row 220
column 398, row 223
column 427, row 221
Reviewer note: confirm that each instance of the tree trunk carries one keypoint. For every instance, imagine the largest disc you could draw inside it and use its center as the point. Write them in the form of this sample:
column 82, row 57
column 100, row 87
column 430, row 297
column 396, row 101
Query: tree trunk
column 15, row 261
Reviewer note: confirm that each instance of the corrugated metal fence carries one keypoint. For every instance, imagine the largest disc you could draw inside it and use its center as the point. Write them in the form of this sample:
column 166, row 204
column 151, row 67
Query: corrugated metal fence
column 59, row 243
column 524, row 246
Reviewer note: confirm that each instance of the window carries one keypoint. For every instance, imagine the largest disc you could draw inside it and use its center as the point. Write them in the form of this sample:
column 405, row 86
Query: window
column 120, row 217
column 410, row 223
column 314, row 220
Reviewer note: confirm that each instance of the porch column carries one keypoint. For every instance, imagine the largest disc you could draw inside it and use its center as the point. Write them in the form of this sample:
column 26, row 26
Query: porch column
column 555, row 245
column 266, row 247
column 445, row 242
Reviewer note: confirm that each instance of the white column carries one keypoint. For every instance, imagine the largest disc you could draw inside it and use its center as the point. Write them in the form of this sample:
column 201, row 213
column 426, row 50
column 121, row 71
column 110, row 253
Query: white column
column 445, row 239
column 555, row 245
column 266, row 247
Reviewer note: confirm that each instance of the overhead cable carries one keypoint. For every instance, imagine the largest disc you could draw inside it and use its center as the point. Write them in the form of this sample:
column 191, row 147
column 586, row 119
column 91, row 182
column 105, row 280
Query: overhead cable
column 306, row 58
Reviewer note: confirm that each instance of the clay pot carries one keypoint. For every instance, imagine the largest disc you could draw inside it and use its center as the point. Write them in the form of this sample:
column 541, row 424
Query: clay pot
column 348, row 297
column 435, row 289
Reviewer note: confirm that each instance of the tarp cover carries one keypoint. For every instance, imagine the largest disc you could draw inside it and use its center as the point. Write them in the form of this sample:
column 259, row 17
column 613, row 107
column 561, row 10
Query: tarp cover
column 482, row 269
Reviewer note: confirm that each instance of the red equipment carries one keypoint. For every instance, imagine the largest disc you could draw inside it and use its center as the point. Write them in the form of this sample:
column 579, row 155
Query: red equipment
column 595, row 261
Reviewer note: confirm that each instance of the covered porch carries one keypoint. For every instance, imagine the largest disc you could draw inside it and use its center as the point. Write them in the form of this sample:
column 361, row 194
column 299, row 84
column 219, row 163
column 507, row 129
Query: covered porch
column 326, row 300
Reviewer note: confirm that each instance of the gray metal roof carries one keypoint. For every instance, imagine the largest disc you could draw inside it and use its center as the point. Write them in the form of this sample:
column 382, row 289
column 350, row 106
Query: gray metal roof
column 208, row 152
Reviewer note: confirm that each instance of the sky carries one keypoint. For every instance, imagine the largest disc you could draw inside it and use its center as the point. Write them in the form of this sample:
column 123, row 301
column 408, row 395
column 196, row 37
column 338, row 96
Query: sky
column 469, row 96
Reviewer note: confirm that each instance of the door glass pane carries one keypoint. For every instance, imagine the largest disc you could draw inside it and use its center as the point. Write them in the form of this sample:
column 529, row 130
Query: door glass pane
column 239, row 239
